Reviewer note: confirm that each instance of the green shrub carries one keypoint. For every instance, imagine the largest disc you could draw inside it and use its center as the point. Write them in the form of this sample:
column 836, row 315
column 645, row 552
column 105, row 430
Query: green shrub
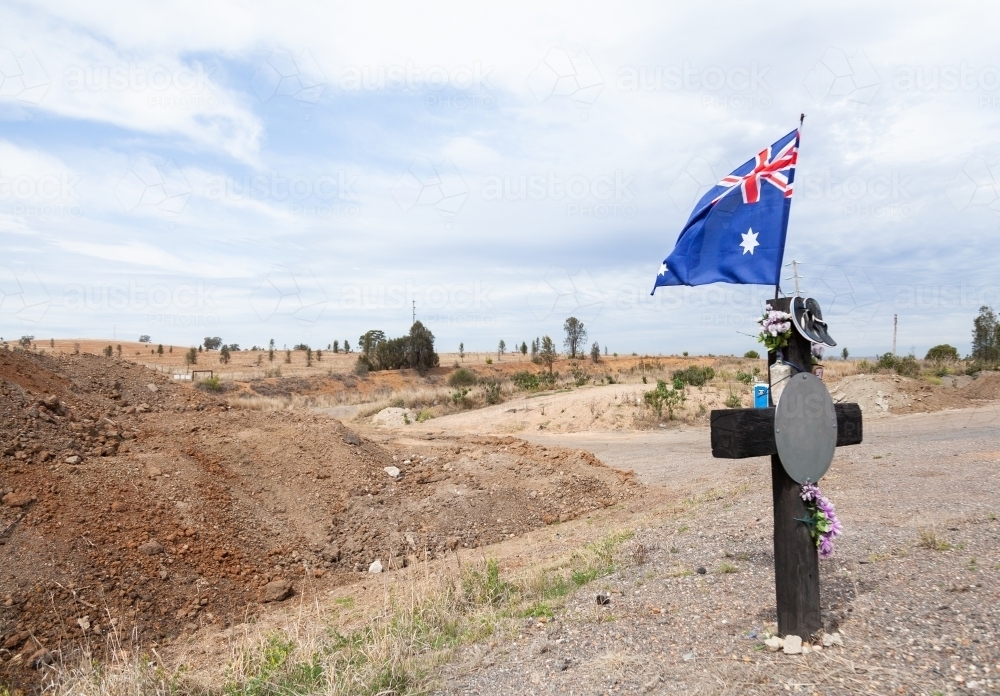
column 942, row 353
column 752, row 355
column 491, row 389
column 678, row 383
column 528, row 381
column 462, row 377
column 211, row 384
column 460, row 397
column 664, row 396
column 425, row 415
column 906, row 366
column 694, row 375
column 733, row 400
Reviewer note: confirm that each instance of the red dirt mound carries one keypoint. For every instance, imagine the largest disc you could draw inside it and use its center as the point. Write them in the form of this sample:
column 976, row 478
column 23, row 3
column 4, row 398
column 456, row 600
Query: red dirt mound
column 133, row 503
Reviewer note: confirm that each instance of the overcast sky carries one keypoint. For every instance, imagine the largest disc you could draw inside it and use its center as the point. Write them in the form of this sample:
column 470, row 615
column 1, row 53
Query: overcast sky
column 305, row 172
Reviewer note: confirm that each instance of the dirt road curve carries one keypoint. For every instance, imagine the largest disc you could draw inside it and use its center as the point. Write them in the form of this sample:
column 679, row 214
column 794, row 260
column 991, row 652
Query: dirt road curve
column 913, row 588
column 679, row 457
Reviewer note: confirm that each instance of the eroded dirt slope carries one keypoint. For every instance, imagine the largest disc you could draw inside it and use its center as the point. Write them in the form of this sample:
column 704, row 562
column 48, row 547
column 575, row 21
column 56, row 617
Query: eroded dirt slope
column 144, row 505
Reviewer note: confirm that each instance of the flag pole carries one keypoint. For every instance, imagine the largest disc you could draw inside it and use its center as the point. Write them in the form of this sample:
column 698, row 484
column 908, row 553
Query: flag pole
column 777, row 286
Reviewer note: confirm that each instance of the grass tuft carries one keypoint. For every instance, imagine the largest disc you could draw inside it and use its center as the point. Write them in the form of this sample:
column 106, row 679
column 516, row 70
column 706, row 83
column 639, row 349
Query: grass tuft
column 930, row 539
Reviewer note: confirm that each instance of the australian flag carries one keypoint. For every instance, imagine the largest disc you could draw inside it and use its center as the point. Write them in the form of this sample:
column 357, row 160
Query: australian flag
column 736, row 233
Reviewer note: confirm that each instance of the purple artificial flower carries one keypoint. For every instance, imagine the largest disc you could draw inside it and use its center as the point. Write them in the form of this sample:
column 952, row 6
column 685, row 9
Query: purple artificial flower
column 823, row 516
column 809, row 492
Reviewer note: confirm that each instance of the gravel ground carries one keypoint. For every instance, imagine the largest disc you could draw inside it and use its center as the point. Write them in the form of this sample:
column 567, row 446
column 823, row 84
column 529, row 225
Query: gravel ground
column 913, row 619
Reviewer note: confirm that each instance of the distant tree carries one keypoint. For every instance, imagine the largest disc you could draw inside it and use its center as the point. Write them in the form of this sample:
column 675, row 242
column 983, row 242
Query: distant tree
column 986, row 336
column 199, row 349
column 25, row 341
column 270, row 351
column 752, row 355
column 576, row 336
column 191, row 357
column 369, row 341
column 119, row 349
column 534, row 351
column 347, row 346
column 52, row 343
column 144, row 338
column 336, row 346
column 319, row 355
column 605, row 351
column 595, row 352
column 212, row 342
column 389, row 354
column 501, row 347
column 547, row 354
column 844, row 353
column 288, row 357
column 524, row 348
column 171, row 349
column 420, row 350
column 159, row 349
column 234, row 347
column 942, row 353
column 309, row 356
column 108, row 352
column 224, row 356
column 461, row 351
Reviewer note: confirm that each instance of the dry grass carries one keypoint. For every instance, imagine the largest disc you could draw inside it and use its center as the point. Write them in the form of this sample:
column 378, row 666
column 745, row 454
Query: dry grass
column 339, row 650
column 930, row 539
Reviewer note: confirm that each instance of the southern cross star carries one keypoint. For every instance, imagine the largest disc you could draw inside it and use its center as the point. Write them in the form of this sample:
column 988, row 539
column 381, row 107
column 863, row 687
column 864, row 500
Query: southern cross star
column 749, row 242
column 663, row 269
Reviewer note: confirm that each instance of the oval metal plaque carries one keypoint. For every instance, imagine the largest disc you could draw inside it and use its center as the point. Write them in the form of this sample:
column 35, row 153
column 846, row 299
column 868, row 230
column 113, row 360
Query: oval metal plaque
column 805, row 428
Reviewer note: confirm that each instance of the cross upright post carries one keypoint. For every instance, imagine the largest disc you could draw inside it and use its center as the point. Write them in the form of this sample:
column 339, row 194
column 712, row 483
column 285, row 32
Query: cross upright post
column 796, row 559
column 747, row 432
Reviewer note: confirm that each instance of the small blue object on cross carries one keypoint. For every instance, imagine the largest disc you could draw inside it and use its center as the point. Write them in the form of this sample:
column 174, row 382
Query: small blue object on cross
column 760, row 395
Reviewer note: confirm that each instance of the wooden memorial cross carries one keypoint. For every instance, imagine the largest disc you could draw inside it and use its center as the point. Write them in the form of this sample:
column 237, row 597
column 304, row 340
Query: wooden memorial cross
column 750, row 432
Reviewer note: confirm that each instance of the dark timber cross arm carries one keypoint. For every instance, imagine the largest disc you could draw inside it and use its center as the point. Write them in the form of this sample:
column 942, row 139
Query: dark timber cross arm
column 738, row 433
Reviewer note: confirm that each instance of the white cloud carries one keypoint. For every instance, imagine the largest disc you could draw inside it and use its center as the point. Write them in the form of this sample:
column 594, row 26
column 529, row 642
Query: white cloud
column 706, row 102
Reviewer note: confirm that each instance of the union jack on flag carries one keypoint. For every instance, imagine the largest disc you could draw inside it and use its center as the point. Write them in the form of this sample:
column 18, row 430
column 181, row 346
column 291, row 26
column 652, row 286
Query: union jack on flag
column 766, row 168
column 738, row 238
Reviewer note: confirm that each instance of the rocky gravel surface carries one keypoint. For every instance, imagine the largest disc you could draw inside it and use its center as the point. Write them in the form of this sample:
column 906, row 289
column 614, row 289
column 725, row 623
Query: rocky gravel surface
column 912, row 593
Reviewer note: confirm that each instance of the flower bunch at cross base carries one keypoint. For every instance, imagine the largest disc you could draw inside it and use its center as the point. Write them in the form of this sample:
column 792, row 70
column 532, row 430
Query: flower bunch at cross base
column 775, row 328
column 821, row 518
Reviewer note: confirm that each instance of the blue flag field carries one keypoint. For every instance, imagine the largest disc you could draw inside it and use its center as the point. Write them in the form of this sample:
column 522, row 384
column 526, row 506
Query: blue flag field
column 736, row 233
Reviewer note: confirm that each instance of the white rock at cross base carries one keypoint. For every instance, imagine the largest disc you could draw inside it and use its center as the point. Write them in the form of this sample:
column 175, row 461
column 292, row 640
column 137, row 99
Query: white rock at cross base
column 793, row 645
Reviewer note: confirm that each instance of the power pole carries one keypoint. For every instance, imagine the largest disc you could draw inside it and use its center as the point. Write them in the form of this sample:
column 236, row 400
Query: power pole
column 414, row 313
column 895, row 325
column 795, row 275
